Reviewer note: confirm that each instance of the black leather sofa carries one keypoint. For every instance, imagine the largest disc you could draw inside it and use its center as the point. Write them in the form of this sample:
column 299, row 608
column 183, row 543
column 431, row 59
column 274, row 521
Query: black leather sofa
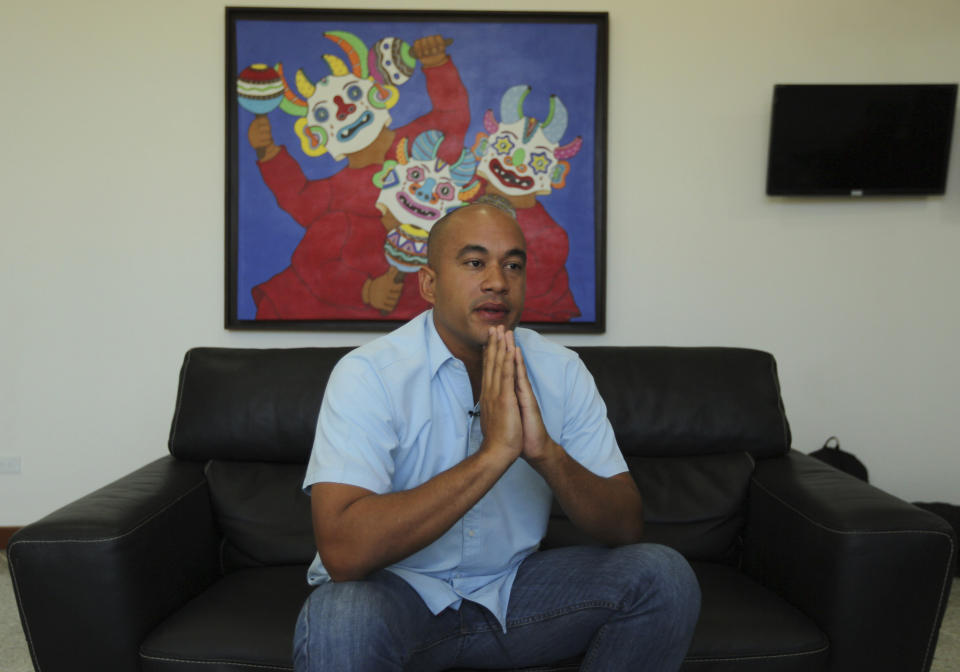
column 197, row 561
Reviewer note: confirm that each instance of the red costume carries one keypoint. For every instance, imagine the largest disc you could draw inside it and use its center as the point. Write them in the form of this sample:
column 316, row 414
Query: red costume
column 342, row 246
column 548, row 288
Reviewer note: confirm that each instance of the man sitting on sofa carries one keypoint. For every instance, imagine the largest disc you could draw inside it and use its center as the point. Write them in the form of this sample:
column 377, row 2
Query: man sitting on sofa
column 438, row 449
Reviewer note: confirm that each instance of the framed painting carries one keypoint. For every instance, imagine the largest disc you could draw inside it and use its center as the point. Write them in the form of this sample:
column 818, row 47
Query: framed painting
column 350, row 133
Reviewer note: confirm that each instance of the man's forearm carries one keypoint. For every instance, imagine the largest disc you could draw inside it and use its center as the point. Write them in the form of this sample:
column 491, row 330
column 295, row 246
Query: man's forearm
column 374, row 531
column 609, row 509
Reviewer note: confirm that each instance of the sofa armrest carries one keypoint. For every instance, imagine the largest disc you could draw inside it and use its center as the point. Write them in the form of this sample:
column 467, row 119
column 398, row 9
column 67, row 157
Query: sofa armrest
column 873, row 571
column 94, row 577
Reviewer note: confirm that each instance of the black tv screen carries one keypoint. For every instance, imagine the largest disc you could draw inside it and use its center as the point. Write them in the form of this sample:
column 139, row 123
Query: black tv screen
column 860, row 139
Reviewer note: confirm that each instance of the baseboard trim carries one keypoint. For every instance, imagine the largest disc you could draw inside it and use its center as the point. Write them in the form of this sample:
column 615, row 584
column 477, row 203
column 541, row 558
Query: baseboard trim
column 5, row 534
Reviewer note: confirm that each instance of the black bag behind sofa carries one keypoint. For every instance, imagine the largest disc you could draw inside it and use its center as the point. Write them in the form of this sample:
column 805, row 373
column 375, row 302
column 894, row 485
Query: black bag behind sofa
column 197, row 561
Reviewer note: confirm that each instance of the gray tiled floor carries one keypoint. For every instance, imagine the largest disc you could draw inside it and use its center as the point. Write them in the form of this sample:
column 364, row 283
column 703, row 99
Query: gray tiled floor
column 14, row 656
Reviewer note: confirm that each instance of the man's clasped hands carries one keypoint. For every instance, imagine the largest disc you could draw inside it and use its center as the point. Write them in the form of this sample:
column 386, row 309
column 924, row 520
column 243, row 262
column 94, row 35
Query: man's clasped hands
column 509, row 413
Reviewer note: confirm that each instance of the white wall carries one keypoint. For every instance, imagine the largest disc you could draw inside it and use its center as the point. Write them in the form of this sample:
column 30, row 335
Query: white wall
column 111, row 226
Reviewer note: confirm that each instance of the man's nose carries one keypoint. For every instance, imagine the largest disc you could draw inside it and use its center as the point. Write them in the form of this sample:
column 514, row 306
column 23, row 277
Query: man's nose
column 494, row 279
column 344, row 109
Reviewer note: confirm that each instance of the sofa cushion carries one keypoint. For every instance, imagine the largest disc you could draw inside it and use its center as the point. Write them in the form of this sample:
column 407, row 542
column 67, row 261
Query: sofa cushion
column 696, row 505
column 262, row 513
column 693, row 504
column 668, row 402
column 245, row 621
column 743, row 625
column 250, row 404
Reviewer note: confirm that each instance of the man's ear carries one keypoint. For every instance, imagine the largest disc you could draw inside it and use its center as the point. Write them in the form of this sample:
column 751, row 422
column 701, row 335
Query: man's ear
column 427, row 278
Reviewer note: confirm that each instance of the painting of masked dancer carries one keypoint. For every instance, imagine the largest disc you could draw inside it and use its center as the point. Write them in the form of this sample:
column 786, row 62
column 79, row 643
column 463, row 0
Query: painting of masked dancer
column 349, row 134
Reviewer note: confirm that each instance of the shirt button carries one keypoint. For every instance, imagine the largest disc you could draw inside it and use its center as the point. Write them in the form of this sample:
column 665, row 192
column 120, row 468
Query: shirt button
column 472, row 533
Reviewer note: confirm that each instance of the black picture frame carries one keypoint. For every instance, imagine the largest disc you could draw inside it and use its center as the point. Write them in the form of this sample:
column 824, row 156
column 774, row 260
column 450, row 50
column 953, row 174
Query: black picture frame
column 287, row 222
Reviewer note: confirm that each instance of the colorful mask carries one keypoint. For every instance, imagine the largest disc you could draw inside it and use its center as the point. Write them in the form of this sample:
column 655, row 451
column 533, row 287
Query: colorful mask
column 345, row 111
column 520, row 156
column 417, row 189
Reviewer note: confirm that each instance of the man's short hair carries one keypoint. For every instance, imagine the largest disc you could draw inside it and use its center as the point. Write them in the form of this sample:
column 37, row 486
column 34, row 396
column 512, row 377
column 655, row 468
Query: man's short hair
column 493, row 200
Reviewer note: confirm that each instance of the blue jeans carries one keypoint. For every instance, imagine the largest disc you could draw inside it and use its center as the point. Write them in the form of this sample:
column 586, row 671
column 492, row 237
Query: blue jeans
column 628, row 608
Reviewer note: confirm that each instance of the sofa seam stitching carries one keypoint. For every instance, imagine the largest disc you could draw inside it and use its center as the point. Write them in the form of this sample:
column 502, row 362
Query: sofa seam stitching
column 211, row 662
column 761, row 657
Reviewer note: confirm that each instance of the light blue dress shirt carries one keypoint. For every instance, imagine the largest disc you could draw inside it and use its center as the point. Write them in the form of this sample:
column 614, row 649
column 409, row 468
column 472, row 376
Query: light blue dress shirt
column 396, row 412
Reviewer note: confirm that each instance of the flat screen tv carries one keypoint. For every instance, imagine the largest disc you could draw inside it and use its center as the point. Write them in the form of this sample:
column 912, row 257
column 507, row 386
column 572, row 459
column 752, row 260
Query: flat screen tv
column 860, row 139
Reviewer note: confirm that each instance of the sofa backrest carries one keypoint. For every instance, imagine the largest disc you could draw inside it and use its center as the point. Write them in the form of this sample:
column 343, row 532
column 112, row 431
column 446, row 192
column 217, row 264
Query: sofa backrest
column 250, row 404
column 671, row 402
column 690, row 422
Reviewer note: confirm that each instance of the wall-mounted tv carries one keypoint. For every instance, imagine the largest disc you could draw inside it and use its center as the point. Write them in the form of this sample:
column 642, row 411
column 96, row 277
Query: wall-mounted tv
column 860, row 139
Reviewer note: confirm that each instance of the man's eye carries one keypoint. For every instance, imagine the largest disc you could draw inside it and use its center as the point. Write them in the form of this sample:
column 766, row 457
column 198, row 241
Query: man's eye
column 474, row 263
column 514, row 266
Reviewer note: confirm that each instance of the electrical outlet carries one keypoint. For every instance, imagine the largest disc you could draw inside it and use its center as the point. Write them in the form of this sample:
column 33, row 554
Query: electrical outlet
column 9, row 464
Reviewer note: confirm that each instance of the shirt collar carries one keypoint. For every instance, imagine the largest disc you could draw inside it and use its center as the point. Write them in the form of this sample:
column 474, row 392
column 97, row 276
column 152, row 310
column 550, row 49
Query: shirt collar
column 437, row 351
